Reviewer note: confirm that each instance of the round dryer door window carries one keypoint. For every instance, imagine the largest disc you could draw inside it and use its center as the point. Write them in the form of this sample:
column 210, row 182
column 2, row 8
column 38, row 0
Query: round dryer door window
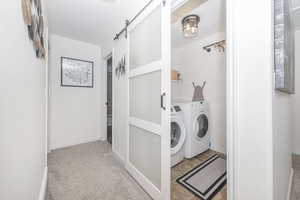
column 175, row 134
column 202, row 126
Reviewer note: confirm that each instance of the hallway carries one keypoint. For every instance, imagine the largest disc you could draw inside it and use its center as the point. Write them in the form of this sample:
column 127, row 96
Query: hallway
column 90, row 172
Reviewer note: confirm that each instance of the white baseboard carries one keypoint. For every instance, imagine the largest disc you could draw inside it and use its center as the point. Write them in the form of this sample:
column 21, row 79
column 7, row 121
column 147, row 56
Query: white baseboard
column 103, row 138
column 44, row 185
column 61, row 146
column 218, row 149
column 120, row 158
column 290, row 185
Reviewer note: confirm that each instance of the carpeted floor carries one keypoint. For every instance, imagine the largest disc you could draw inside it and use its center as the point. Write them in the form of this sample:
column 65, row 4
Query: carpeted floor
column 295, row 193
column 90, row 172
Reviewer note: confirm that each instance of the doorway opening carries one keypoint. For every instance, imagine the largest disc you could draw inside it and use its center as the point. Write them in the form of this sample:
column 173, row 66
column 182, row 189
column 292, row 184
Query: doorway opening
column 198, row 100
column 109, row 99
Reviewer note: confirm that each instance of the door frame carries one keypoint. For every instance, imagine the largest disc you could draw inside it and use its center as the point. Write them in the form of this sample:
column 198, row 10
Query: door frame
column 231, row 102
column 231, row 98
column 103, row 134
column 165, row 192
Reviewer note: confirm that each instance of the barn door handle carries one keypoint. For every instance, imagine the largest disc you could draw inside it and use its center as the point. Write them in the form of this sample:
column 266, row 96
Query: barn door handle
column 162, row 101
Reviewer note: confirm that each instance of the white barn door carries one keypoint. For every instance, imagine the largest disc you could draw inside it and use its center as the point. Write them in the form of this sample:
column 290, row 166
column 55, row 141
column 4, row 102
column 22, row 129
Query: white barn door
column 148, row 133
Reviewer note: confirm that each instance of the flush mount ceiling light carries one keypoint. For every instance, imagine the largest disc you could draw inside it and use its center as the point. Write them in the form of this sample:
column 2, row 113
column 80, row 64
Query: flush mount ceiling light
column 190, row 25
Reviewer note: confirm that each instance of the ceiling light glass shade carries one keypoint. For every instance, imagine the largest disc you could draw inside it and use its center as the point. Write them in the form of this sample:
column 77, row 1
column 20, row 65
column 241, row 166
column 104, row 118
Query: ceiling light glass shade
column 190, row 25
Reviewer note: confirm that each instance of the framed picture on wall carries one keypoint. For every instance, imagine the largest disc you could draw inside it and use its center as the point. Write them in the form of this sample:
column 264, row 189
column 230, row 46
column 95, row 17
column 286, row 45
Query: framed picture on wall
column 77, row 73
column 284, row 49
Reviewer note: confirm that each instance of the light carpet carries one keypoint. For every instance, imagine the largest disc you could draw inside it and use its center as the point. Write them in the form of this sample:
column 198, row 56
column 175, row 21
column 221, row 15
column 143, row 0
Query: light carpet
column 295, row 193
column 90, row 172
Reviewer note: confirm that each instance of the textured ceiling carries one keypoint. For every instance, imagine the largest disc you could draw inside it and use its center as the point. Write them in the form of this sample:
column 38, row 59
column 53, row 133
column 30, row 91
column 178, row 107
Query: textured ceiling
column 190, row 5
column 94, row 21
column 97, row 21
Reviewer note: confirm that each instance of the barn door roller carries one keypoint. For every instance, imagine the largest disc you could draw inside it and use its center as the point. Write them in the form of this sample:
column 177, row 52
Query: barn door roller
column 128, row 22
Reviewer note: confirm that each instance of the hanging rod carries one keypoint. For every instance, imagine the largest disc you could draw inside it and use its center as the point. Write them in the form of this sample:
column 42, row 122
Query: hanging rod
column 208, row 47
column 212, row 44
column 128, row 22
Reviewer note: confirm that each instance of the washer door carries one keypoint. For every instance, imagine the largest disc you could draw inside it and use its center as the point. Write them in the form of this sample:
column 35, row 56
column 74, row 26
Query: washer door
column 177, row 135
column 201, row 126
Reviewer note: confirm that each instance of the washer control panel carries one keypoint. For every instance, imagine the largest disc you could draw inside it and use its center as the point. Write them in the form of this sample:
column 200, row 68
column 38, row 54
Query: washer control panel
column 175, row 109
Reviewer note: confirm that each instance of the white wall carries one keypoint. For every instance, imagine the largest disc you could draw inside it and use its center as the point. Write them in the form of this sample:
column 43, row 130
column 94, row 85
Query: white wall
column 286, row 128
column 296, row 97
column 282, row 135
column 75, row 113
column 22, row 105
column 282, row 142
column 196, row 65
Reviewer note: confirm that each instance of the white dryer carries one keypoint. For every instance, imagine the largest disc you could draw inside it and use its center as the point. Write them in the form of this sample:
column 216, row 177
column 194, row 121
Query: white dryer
column 197, row 127
column 178, row 135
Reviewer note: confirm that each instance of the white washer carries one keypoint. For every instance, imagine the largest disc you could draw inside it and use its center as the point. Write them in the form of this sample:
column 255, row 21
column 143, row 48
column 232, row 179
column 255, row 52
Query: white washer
column 178, row 135
column 196, row 123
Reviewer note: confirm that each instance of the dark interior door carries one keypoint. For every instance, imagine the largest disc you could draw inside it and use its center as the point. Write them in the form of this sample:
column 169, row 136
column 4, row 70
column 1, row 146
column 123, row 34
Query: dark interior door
column 109, row 100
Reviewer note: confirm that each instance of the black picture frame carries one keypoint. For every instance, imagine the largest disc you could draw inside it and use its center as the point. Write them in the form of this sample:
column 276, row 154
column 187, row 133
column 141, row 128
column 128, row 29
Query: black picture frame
column 62, row 72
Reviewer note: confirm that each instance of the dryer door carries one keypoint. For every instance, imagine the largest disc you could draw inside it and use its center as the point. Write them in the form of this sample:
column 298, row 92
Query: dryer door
column 201, row 126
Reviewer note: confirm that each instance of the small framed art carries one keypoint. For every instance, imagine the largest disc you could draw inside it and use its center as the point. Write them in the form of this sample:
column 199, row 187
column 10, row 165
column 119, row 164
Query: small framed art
column 77, row 73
